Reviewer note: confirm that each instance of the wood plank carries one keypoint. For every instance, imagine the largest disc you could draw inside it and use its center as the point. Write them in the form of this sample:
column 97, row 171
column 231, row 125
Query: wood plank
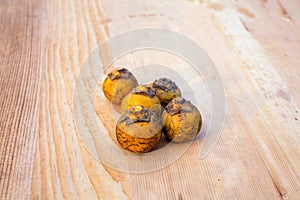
column 255, row 47
column 21, row 51
column 67, row 170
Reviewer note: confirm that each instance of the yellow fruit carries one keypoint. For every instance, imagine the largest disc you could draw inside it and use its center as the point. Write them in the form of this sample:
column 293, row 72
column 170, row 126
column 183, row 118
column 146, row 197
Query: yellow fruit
column 142, row 95
column 166, row 90
column 139, row 130
column 182, row 120
column 118, row 84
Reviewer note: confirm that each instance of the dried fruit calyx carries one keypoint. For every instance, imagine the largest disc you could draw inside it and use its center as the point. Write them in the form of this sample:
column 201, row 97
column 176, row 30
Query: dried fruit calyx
column 178, row 105
column 144, row 90
column 165, row 84
column 119, row 73
column 136, row 114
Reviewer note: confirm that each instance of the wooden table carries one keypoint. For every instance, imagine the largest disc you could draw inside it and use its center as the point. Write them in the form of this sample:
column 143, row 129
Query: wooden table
column 255, row 46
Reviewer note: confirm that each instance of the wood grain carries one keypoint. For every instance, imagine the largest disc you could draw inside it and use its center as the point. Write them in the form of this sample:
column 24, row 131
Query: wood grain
column 255, row 46
column 21, row 51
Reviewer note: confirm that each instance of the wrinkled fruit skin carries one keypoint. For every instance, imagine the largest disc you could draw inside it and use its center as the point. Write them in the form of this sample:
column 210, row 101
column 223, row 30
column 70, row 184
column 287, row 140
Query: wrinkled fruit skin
column 136, row 97
column 118, row 84
column 139, row 136
column 166, row 90
column 182, row 126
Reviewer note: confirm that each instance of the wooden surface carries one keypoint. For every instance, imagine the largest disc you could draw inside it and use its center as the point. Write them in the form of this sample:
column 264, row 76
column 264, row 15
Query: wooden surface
column 255, row 46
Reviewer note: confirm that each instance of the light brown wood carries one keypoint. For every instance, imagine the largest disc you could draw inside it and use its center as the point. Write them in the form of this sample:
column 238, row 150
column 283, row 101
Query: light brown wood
column 22, row 49
column 255, row 46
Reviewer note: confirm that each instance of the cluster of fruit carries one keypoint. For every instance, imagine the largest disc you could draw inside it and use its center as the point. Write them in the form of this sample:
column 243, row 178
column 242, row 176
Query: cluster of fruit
column 147, row 111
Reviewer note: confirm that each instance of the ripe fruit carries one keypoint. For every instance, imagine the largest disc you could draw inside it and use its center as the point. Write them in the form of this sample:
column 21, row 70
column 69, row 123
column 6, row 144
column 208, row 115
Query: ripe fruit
column 118, row 84
column 139, row 130
column 182, row 120
column 142, row 95
column 166, row 90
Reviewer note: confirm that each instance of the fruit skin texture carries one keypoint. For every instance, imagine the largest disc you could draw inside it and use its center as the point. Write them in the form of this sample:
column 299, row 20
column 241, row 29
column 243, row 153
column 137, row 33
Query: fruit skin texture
column 142, row 95
column 139, row 130
column 118, row 84
column 182, row 121
column 166, row 90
